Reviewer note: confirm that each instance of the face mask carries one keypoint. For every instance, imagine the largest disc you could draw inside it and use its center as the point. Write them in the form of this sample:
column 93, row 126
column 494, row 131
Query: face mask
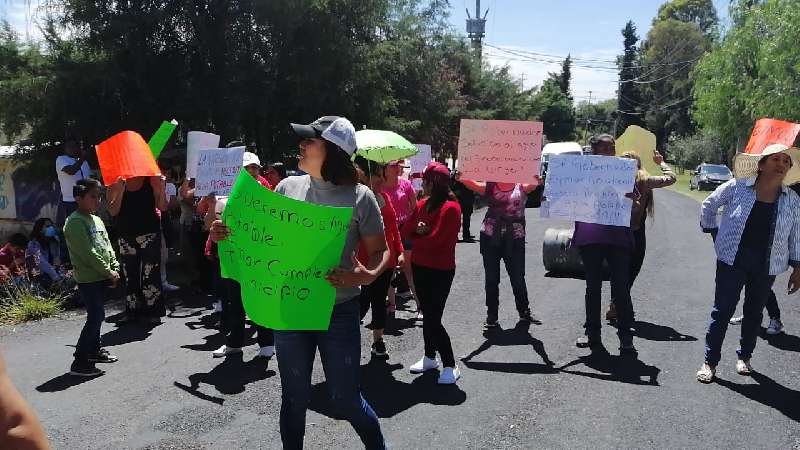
column 50, row 231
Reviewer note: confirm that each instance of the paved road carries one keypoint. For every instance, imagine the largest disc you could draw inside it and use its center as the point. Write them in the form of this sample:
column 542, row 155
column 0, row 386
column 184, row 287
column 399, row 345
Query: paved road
column 167, row 392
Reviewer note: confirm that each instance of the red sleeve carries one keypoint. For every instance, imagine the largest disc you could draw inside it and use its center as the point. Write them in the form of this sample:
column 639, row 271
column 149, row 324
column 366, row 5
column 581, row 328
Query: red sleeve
column 393, row 238
column 409, row 230
column 446, row 228
column 263, row 181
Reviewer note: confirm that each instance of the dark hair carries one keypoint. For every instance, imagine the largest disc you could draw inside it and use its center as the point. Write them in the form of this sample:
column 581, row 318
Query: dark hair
column 36, row 233
column 440, row 193
column 605, row 138
column 369, row 167
column 18, row 240
column 84, row 186
column 280, row 168
column 337, row 167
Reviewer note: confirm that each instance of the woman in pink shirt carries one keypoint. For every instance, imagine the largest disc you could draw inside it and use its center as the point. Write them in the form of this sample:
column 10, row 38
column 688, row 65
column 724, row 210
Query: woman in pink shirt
column 404, row 199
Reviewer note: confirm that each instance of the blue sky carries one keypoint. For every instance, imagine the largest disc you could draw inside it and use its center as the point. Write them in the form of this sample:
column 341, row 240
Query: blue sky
column 586, row 29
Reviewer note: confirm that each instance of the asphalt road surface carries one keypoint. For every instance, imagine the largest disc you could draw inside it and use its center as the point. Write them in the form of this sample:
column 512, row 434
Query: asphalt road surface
column 166, row 392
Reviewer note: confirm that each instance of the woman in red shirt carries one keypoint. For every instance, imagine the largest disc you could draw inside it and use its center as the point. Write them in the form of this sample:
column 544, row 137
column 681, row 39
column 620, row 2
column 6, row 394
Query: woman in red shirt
column 372, row 174
column 433, row 229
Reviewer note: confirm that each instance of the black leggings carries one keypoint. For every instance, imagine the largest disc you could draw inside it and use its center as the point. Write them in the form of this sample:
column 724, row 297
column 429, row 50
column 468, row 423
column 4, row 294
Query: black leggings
column 375, row 295
column 233, row 316
column 433, row 288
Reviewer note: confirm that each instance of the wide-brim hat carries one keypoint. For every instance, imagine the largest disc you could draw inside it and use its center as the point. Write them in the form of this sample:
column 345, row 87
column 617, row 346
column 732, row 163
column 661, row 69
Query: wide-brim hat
column 745, row 165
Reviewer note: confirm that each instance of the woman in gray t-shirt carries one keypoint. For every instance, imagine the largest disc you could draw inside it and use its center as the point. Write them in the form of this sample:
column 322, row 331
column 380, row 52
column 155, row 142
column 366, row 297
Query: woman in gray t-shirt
column 325, row 150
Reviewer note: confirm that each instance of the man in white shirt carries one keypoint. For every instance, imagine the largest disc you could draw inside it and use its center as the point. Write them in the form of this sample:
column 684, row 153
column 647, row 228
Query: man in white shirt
column 71, row 167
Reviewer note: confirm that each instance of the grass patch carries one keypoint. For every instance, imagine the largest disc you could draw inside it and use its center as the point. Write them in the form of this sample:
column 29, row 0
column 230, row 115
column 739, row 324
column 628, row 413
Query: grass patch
column 23, row 304
column 682, row 186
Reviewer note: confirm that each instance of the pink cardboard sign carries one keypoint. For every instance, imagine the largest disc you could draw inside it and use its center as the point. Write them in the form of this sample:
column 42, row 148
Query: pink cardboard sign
column 500, row 150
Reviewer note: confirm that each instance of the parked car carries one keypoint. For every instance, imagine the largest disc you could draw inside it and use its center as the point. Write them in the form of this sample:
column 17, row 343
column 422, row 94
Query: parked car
column 555, row 148
column 708, row 176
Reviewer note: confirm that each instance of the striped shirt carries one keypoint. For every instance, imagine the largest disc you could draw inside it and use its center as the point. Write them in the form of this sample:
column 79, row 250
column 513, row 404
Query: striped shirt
column 737, row 197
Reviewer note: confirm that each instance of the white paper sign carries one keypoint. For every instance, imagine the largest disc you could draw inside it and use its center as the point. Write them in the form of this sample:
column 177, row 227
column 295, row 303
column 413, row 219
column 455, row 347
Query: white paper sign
column 589, row 189
column 217, row 170
column 196, row 141
column 421, row 159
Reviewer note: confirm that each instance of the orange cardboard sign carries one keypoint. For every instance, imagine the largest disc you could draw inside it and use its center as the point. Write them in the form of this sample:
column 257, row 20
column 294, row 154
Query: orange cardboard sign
column 771, row 131
column 126, row 155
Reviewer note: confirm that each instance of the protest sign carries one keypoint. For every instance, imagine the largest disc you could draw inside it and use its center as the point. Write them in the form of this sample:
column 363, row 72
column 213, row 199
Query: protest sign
column 643, row 143
column 196, row 141
column 125, row 155
column 499, row 150
column 280, row 251
column 161, row 136
column 771, row 131
column 217, row 170
column 589, row 189
column 421, row 159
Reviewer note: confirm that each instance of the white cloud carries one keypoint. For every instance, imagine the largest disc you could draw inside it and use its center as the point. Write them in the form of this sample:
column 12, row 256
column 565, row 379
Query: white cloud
column 602, row 83
column 22, row 15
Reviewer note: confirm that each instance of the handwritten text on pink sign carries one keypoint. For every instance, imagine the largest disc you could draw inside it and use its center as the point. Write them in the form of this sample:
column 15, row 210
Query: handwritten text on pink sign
column 500, row 150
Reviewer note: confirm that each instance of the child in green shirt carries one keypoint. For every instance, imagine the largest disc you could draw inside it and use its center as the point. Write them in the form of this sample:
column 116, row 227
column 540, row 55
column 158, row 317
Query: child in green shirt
column 95, row 268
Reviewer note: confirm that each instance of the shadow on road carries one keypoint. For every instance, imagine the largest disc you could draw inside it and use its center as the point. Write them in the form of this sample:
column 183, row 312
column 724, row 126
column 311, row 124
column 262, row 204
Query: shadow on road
column 127, row 333
column 782, row 341
column 519, row 335
column 653, row 332
column 63, row 382
column 768, row 393
column 623, row 369
column 228, row 377
column 389, row 396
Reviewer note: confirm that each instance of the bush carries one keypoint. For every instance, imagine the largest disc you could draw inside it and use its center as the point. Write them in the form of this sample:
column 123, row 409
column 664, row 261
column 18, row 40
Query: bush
column 24, row 304
column 691, row 151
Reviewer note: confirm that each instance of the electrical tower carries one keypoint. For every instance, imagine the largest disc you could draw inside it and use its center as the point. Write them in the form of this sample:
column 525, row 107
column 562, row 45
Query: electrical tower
column 476, row 28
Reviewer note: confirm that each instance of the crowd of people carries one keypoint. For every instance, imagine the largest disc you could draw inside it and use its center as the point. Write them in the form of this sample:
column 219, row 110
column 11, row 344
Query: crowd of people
column 400, row 244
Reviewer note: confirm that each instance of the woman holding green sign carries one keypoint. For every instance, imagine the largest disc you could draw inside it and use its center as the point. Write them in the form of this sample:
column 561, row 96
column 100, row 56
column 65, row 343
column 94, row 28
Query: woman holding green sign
column 325, row 150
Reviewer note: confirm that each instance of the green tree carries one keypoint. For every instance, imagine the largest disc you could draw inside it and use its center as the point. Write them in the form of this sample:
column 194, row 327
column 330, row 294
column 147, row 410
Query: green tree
column 699, row 12
column 629, row 98
column 753, row 73
column 565, row 78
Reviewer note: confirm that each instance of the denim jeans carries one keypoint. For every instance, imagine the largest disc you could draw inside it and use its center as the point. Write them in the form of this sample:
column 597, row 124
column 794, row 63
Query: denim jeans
column 512, row 252
column 619, row 260
column 340, row 351
column 750, row 271
column 93, row 296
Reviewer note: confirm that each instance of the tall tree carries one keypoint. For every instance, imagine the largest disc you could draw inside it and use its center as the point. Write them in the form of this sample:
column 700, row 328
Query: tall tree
column 565, row 79
column 629, row 98
column 699, row 12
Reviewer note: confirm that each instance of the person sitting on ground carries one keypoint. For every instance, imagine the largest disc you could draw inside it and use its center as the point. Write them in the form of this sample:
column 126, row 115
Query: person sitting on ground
column 12, row 259
column 43, row 254
column 756, row 205
column 95, row 269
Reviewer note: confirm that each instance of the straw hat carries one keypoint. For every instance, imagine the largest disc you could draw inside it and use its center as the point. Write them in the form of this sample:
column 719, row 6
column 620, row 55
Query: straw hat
column 745, row 165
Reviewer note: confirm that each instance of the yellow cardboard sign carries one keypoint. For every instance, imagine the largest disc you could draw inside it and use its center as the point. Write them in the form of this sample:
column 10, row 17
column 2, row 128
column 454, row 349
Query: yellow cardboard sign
column 637, row 139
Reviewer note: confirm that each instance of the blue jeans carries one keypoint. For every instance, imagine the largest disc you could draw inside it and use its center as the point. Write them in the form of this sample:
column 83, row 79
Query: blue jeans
column 340, row 351
column 512, row 252
column 750, row 271
column 93, row 296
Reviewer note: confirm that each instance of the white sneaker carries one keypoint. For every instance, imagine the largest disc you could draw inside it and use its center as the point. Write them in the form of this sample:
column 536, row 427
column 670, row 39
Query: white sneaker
column 266, row 352
column 423, row 365
column 217, row 306
column 706, row 373
column 168, row 287
column 449, row 375
column 736, row 320
column 775, row 327
column 225, row 351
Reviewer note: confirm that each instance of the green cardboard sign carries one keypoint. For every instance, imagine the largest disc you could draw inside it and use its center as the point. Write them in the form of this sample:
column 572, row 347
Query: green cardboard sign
column 161, row 136
column 280, row 251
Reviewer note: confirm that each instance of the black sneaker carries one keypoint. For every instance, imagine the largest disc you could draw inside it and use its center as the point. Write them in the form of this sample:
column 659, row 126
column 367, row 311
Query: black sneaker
column 491, row 322
column 102, row 356
column 379, row 348
column 84, row 369
column 586, row 342
column 626, row 347
column 530, row 318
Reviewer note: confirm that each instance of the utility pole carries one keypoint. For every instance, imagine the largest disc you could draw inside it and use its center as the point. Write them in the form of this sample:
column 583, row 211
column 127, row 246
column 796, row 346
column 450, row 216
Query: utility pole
column 588, row 120
column 476, row 29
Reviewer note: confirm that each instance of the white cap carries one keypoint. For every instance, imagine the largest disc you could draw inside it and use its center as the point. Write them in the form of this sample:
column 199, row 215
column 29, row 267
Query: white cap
column 342, row 133
column 249, row 159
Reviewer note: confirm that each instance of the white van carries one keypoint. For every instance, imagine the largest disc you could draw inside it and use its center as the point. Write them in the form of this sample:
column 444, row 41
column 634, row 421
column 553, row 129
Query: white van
column 555, row 148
